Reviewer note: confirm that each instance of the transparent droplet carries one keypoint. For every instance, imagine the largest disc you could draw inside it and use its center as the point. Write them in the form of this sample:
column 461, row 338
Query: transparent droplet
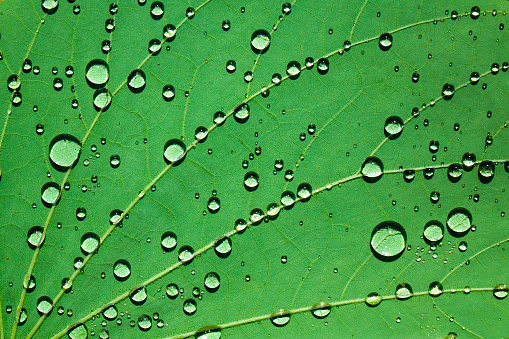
column 50, row 194
column 322, row 66
column 500, row 291
column 109, row 25
column 44, row 305
column 219, row 118
column 454, row 172
column 136, row 81
column 102, row 99
column 304, row 191
column 97, row 73
column 157, row 10
column 64, row 151
column 231, row 66
column 280, row 317
column 260, row 41
column 462, row 246
column 448, row 91
column 435, row 289
column 49, row 6
column 212, row 281
column 168, row 241
column 78, row 331
column 433, row 232
column 256, row 216
column 110, row 312
column 154, row 46
column 372, row 169
column 486, row 171
column 385, row 41
column 373, row 299
column 208, row 332
column 475, row 12
column 89, row 242
column 474, row 78
column 388, row 240
column 169, row 32
column 13, row 82
column 138, row 295
column 34, row 237
column 144, row 322
column 251, row 181
column 186, row 253
column 287, row 198
column 459, row 221
column 168, row 93
column 189, row 306
column 393, row 127
column 241, row 113
column 213, row 204
column 39, row 129
column 115, row 161
column 321, row 310
column 122, row 269
column 293, row 69
column 223, row 247
column 403, row 291
column 226, row 25
column 468, row 161
column 81, row 213
column 172, row 291
column 190, row 12
column 289, row 175
column 240, row 225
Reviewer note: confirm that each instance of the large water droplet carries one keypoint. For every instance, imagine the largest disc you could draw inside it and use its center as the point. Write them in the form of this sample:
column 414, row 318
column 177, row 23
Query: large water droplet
column 189, row 306
column 393, row 127
column 212, row 281
column 372, row 169
column 501, row 291
column 110, row 312
column 97, row 73
column 251, row 181
column 89, row 242
column 34, row 236
column 454, row 172
column 79, row 331
column 44, row 305
column 174, row 151
column 322, row 66
column 169, row 32
column 433, row 232
column 144, row 322
column 168, row 241
column 475, row 12
column 186, row 254
column 50, row 194
column 172, row 291
column 385, row 41
column 280, row 317
column 293, row 69
column 208, row 332
column 486, row 171
column 49, row 6
column 136, row 81
column 213, row 204
column 260, row 41
column 288, row 198
column 138, row 295
column 459, row 221
column 321, row 310
column 241, row 113
column 468, row 161
column 13, row 82
column 223, row 247
column 81, row 213
column 403, row 291
column 157, row 10
column 373, row 299
column 304, row 191
column 435, row 289
column 448, row 91
column 122, row 269
column 102, row 99
column 64, row 151
column 388, row 240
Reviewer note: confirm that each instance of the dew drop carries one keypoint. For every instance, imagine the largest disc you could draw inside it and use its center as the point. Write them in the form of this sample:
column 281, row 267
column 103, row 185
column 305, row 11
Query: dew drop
column 223, row 247
column 110, row 312
column 433, row 232
column 459, row 221
column 385, row 41
column 168, row 93
column 50, row 194
column 251, row 181
column 448, row 91
column 372, row 169
column 403, row 291
column 138, row 295
column 189, row 306
column 144, row 322
column 293, row 69
column 321, row 310
column 34, row 237
column 64, row 151
column 500, row 291
column 172, row 291
column 122, row 270
column 393, row 127
column 212, row 282
column 260, row 41
column 115, row 161
column 97, row 73
column 388, row 241
column 280, row 318
column 102, row 99
column 44, row 305
column 435, row 289
column 241, row 113
column 174, row 151
column 156, row 10
column 168, row 241
column 373, row 299
column 186, row 254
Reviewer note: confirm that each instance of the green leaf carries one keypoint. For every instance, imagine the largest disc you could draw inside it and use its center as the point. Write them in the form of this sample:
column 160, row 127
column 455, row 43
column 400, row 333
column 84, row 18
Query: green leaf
column 215, row 182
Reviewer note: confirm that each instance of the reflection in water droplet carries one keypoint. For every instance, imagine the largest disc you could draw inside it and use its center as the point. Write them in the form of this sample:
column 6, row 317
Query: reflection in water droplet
column 280, row 317
column 136, row 81
column 168, row 241
column 260, row 41
column 287, row 198
column 79, row 331
column 293, row 69
column 64, row 151
column 385, row 41
column 115, row 161
column 393, row 127
column 448, row 91
column 144, row 322
column 102, row 99
column 486, row 171
column 201, row 133
column 138, row 295
column 89, row 242
column 34, row 236
column 50, row 194
column 172, row 291
column 241, row 113
column 435, row 289
column 223, row 247
column 157, row 10
column 459, row 221
column 304, row 191
column 251, row 181
column 403, row 291
column 49, row 6
column 322, row 66
column 433, row 232
column 256, row 216
column 373, row 299
column 13, row 82
column 189, row 306
column 97, row 73
column 240, row 225
column 110, row 312
column 212, row 282
column 186, row 254
column 208, row 332
column 44, row 305
column 501, row 291
column 174, row 151
column 372, row 169
column 321, row 310
column 122, row 269
column 388, row 240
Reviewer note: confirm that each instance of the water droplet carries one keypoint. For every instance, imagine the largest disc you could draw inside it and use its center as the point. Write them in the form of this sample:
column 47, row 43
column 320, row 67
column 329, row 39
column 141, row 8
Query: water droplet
column 174, row 151
column 136, row 81
column 97, row 73
column 475, row 12
column 49, row 6
column 169, row 32
column 168, row 93
column 102, row 99
column 459, row 221
column 288, row 198
column 213, row 205
column 219, row 118
column 385, row 41
column 186, row 254
column 322, row 66
column 289, row 175
column 388, row 241
column 231, row 66
column 115, row 161
column 435, row 289
column 208, row 332
column 372, row 169
column 448, row 91
column 403, row 291
column 190, row 12
column 122, row 269
column 109, row 25
column 256, row 216
column 144, row 322
column 172, row 291
column 304, row 191
column 27, row 65
column 44, row 305
column 81, row 213
column 89, row 242
column 260, row 41
column 486, row 171
column 154, row 46
column 373, row 299
column 462, row 246
column 241, row 113
column 468, row 161
column 157, row 10
column 273, row 210
column 454, row 172
column 280, row 318
column 278, row 164
column 138, row 295
column 240, row 225
column 434, row 197
column 226, row 25
column 223, row 247
column 78, row 331
column 110, row 312
column 500, row 291
column 50, row 194
column 168, row 241
column 34, row 237
column 212, row 282
column 13, row 82
column 433, row 232
column 189, row 306
column 251, row 181
column 64, row 151
column 321, row 310
column 293, row 69
column 393, row 127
